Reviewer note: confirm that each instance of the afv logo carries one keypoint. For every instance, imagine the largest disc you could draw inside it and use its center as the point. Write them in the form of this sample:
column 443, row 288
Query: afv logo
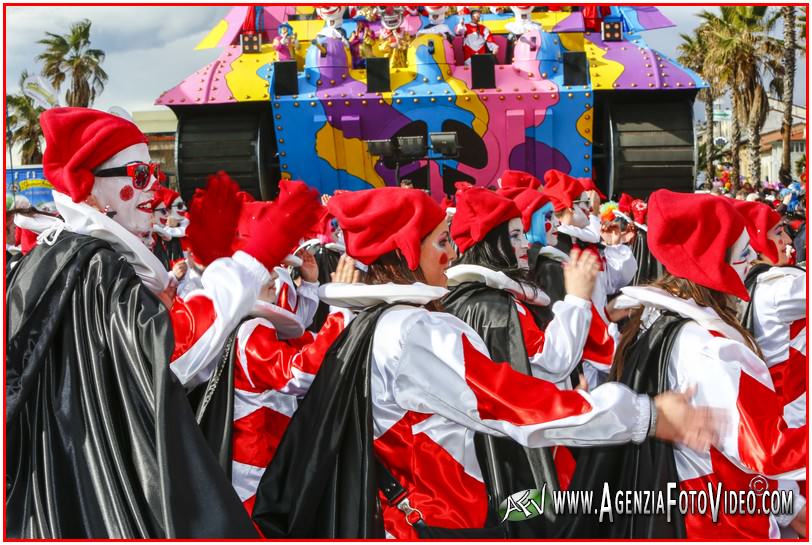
column 523, row 505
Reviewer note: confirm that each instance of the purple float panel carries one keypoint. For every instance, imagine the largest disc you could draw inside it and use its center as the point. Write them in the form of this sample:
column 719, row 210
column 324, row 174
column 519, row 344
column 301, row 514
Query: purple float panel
column 574, row 22
column 644, row 68
column 650, row 18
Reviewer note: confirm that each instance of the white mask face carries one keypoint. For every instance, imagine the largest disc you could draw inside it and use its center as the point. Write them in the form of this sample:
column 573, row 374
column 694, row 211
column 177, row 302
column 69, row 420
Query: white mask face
column 742, row 255
column 551, row 229
column 518, row 240
column 130, row 206
column 579, row 218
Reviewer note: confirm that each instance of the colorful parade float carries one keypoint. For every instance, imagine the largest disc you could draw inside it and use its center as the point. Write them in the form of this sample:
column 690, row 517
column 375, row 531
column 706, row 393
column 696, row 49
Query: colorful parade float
column 353, row 98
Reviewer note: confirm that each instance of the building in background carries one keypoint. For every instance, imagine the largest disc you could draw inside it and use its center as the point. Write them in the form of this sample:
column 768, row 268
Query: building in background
column 160, row 126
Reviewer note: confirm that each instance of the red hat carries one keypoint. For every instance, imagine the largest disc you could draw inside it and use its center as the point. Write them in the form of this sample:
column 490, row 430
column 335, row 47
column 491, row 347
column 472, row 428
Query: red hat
column 378, row 221
column 760, row 218
column 478, row 212
column 589, row 185
column 639, row 211
column 526, row 200
column 77, row 141
column 690, row 235
column 518, row 178
column 168, row 196
column 625, row 204
column 562, row 189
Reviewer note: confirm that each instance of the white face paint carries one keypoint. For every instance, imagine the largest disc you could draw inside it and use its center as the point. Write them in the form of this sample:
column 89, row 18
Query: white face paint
column 742, row 255
column 332, row 15
column 518, row 241
column 551, row 229
column 436, row 14
column 392, row 20
column 579, row 218
column 130, row 206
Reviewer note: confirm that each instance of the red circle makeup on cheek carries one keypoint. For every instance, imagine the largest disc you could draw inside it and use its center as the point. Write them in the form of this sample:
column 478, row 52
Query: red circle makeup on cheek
column 444, row 260
column 126, row 193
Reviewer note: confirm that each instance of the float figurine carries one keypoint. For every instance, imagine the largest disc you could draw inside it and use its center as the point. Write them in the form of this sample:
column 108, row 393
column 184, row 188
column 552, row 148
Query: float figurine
column 436, row 24
column 521, row 22
column 332, row 17
column 362, row 41
column 393, row 41
column 285, row 43
column 477, row 38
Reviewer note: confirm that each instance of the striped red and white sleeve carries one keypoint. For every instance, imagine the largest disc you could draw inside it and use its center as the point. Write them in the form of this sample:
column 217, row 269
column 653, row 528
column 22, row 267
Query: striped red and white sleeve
column 731, row 377
column 203, row 321
column 288, row 367
column 555, row 352
column 444, row 368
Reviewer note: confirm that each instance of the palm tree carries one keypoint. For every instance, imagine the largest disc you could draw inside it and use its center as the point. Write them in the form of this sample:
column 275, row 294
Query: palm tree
column 24, row 127
column 69, row 56
column 693, row 54
column 743, row 53
column 788, row 60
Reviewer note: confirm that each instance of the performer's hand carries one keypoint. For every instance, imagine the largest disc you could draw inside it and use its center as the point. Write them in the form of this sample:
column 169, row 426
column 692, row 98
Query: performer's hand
column 167, row 297
column 581, row 273
column 309, row 269
column 582, row 383
column 680, row 422
column 345, row 272
column 179, row 269
column 595, row 202
column 610, row 234
column 799, row 523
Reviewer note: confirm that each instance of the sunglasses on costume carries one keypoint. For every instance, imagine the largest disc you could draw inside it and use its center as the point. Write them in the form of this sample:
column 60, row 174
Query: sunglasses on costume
column 140, row 173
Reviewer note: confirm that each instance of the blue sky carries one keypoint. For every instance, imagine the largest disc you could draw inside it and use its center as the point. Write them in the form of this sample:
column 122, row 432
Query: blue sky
column 151, row 48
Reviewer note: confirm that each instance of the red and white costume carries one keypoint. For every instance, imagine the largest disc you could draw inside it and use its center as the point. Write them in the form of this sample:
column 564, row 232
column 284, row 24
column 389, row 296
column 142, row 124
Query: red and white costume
column 276, row 364
column 779, row 319
column 477, row 40
column 303, row 301
column 434, row 386
column 712, row 356
column 618, row 267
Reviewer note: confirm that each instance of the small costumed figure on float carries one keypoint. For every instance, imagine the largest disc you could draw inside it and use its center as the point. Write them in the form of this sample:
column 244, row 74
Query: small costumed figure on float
column 362, row 43
column 393, row 40
column 285, row 43
column 436, row 24
column 521, row 22
column 332, row 17
column 477, row 38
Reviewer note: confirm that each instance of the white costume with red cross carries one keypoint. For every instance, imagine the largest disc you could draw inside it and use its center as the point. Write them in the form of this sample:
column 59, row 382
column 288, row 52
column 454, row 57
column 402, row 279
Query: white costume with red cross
column 756, row 448
column 434, row 387
column 779, row 319
column 276, row 362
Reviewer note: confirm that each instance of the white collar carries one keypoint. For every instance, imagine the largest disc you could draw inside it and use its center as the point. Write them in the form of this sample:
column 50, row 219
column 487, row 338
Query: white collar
column 286, row 323
column 584, row 234
column 554, row 253
column 705, row 316
column 778, row 272
column 36, row 223
column 460, row 274
column 83, row 219
column 359, row 296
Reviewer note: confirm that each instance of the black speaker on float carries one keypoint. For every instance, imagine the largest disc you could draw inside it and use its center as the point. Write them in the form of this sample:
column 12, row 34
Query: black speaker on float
column 251, row 43
column 483, row 75
column 378, row 75
column 576, row 68
column 285, row 78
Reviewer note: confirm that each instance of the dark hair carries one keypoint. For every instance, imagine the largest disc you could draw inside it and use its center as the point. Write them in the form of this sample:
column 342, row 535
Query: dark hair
column 686, row 289
column 496, row 253
column 392, row 267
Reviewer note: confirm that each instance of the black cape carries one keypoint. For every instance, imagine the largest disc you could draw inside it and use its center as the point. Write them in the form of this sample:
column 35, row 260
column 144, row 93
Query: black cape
column 321, row 483
column 648, row 466
column 648, row 268
column 507, row 467
column 100, row 438
column 168, row 251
